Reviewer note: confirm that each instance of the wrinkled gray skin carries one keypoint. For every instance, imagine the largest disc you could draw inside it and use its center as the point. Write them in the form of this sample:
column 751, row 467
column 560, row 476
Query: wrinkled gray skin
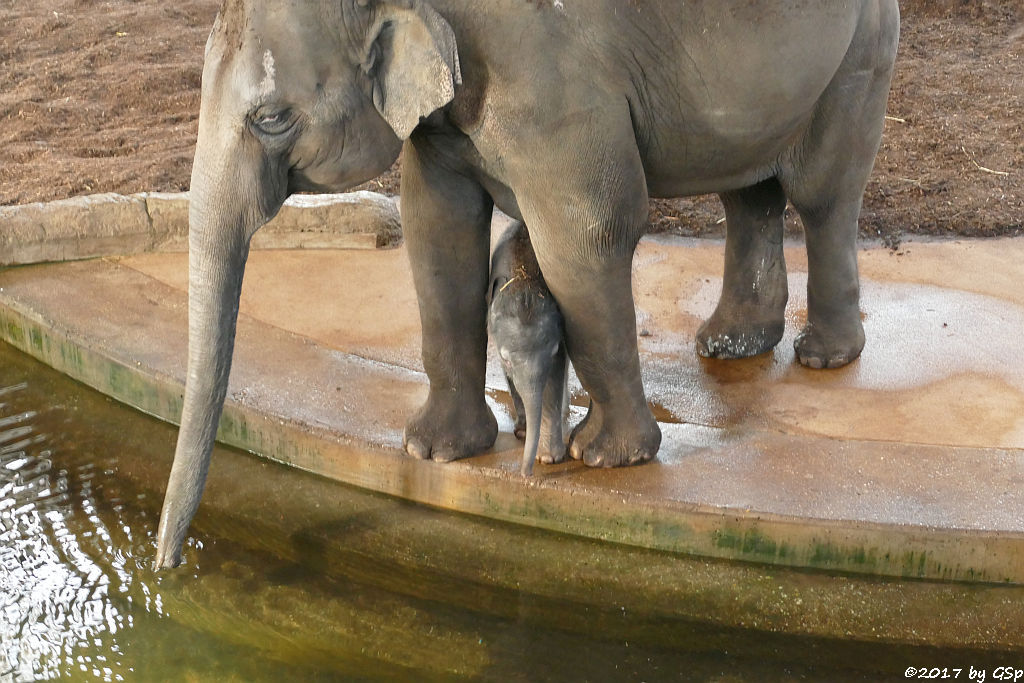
column 529, row 332
column 567, row 115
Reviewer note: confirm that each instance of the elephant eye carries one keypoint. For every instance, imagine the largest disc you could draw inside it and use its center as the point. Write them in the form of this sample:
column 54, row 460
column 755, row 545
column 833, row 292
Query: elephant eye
column 272, row 122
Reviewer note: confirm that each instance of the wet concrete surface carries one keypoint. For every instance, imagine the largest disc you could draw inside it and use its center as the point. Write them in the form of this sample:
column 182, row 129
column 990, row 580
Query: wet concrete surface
column 907, row 462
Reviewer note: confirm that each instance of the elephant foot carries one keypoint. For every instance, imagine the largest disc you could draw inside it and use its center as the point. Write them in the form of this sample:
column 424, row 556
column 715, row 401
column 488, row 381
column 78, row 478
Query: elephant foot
column 520, row 428
column 816, row 349
column 722, row 337
column 446, row 431
column 601, row 442
column 553, row 455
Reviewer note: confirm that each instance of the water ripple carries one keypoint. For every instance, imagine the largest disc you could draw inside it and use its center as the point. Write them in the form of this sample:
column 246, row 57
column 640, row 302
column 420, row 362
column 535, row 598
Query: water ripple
column 54, row 596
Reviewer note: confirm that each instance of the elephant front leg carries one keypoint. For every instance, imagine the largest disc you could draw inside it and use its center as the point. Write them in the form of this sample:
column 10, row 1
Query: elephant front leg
column 597, row 303
column 446, row 221
column 750, row 316
column 585, row 249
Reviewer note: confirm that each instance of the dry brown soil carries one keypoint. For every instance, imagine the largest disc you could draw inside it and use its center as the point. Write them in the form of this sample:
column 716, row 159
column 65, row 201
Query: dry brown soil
column 103, row 95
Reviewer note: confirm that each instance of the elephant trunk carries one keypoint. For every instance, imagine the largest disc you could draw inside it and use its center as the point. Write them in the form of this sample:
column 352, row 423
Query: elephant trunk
column 229, row 201
column 530, row 379
column 216, row 264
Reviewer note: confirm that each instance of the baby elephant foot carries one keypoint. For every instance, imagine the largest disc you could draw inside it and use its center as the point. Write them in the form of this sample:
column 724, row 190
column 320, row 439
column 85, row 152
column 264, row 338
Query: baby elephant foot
column 601, row 443
column 450, row 431
column 738, row 336
column 553, row 454
column 815, row 349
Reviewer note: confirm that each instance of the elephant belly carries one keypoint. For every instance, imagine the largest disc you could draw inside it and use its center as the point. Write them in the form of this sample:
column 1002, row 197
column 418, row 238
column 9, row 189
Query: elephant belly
column 736, row 90
column 706, row 159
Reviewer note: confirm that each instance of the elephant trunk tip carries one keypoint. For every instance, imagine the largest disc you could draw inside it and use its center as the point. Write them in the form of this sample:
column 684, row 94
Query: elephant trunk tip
column 532, row 443
column 166, row 560
column 527, row 467
column 168, row 547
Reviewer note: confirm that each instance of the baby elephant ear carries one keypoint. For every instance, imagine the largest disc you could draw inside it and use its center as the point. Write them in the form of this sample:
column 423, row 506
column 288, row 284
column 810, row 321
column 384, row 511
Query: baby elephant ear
column 414, row 64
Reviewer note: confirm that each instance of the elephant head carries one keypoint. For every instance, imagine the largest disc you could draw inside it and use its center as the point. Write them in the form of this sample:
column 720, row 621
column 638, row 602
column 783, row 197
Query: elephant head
column 296, row 96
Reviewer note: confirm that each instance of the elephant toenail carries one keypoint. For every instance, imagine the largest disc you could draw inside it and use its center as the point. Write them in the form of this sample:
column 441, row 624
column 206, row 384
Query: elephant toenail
column 417, row 449
column 444, row 455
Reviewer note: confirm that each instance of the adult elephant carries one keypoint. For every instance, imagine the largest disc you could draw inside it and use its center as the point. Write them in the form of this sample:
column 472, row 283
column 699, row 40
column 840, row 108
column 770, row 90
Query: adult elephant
column 567, row 114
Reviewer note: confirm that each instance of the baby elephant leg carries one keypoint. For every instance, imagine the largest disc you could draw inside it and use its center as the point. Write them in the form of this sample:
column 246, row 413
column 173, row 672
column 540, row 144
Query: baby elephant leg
column 517, row 402
column 556, row 407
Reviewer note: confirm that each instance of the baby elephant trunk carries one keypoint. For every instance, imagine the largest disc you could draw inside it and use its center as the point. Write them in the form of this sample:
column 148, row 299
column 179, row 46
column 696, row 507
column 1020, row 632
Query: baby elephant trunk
column 531, row 378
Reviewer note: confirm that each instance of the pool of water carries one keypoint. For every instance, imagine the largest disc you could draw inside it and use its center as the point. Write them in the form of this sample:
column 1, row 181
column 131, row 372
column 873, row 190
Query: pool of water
column 292, row 577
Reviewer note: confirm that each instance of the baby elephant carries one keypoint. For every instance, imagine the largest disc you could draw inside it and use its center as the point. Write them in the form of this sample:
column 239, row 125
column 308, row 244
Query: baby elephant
column 530, row 335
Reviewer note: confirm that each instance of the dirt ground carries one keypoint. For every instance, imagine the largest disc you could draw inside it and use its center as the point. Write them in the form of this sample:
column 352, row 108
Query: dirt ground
column 103, row 95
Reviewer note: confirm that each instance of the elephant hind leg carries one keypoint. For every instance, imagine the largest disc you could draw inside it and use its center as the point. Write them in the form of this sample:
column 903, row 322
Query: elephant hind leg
column 826, row 179
column 750, row 316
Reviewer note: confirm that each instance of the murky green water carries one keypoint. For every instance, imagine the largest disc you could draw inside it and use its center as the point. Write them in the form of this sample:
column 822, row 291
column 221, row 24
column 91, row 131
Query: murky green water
column 291, row 577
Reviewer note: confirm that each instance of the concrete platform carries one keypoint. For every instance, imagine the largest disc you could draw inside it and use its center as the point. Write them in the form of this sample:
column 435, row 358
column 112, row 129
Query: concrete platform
column 907, row 463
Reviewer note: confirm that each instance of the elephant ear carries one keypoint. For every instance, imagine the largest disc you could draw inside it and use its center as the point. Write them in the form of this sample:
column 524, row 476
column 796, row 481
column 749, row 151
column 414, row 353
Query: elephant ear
column 414, row 63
